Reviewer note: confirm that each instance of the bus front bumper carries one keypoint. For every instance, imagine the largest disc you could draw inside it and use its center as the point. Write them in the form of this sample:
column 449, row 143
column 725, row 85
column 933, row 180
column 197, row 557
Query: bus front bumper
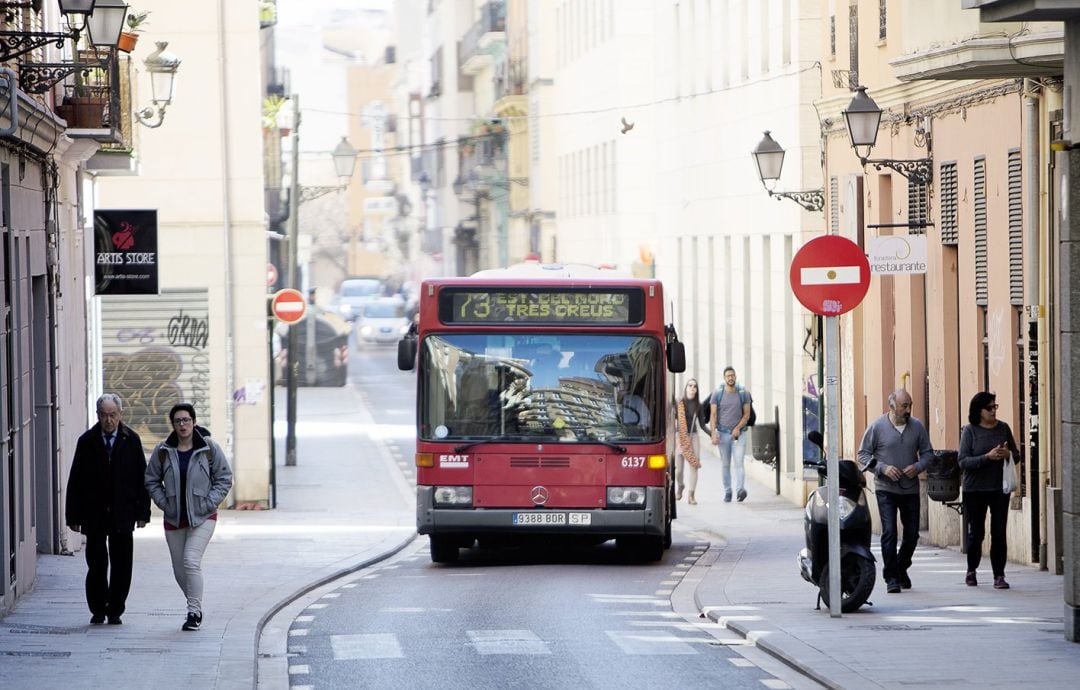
column 612, row 523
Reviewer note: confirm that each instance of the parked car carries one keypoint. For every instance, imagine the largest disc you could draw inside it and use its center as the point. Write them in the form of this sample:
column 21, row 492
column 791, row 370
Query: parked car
column 331, row 349
column 354, row 293
column 382, row 321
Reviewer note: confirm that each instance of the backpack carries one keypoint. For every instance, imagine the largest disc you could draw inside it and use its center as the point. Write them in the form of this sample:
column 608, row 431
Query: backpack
column 742, row 400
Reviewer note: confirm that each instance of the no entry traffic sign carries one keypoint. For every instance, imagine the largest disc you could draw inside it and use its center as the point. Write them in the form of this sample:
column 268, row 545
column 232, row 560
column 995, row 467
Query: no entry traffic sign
column 288, row 305
column 830, row 275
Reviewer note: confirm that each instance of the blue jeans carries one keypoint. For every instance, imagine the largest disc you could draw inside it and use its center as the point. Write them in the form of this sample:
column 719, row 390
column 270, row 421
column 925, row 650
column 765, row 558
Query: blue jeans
column 732, row 451
column 889, row 503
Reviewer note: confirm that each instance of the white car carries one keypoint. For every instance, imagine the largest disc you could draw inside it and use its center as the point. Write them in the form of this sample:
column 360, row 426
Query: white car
column 382, row 321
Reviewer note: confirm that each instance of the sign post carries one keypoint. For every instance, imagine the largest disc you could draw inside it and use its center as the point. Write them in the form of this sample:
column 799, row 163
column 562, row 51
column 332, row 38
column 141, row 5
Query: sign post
column 830, row 276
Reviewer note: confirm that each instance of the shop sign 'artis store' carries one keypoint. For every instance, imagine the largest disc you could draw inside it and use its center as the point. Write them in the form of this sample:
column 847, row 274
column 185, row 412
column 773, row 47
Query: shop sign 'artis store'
column 125, row 252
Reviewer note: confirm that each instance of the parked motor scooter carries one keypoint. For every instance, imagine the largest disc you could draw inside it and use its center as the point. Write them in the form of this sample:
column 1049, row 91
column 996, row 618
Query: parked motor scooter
column 857, row 566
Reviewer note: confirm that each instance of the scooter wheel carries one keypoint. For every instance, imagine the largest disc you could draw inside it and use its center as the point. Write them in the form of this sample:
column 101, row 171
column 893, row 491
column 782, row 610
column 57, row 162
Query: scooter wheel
column 857, row 576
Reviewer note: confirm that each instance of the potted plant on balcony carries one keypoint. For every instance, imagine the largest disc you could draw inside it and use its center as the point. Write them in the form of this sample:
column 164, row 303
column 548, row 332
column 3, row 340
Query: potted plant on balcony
column 135, row 22
column 85, row 106
column 271, row 114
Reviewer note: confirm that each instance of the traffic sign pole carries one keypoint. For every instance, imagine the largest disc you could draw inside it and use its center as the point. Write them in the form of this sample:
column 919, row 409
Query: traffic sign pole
column 832, row 462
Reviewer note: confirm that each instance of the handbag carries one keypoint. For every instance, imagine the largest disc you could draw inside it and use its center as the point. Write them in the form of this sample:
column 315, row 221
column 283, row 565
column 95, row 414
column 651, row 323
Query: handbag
column 1008, row 475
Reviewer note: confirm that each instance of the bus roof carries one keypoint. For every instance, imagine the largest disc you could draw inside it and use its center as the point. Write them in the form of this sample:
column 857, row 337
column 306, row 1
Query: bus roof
column 535, row 269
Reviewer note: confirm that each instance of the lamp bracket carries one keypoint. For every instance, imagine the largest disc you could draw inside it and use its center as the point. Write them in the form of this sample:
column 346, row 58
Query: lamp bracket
column 917, row 171
column 311, row 193
column 148, row 118
column 39, row 77
column 811, row 199
column 16, row 43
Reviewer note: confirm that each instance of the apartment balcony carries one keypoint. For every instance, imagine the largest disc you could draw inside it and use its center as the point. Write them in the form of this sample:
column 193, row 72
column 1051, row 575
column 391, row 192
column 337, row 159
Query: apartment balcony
column 475, row 51
column 91, row 102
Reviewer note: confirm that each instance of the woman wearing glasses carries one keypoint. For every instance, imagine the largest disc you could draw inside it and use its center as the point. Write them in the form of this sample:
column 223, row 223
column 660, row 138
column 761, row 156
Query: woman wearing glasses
column 188, row 477
column 985, row 444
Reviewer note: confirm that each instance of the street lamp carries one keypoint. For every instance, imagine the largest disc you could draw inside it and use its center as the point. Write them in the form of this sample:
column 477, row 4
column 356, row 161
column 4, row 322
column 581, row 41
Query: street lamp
column 344, row 156
column 769, row 158
column 105, row 22
column 162, row 66
column 862, row 117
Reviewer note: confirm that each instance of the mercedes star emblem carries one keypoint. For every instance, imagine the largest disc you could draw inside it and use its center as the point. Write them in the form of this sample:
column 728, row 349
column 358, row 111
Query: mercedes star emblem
column 539, row 495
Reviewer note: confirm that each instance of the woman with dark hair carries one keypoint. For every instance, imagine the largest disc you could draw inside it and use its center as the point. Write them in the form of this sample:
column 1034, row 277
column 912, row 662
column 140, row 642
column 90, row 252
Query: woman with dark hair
column 985, row 443
column 689, row 416
column 188, row 477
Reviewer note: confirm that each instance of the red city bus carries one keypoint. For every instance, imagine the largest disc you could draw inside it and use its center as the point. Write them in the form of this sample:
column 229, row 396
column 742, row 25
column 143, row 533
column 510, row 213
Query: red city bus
column 542, row 409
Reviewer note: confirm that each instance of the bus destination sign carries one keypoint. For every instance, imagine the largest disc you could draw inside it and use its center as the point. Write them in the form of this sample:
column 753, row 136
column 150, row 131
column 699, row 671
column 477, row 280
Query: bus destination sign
column 618, row 306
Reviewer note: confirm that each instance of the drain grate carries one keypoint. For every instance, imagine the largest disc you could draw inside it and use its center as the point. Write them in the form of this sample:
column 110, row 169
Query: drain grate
column 41, row 655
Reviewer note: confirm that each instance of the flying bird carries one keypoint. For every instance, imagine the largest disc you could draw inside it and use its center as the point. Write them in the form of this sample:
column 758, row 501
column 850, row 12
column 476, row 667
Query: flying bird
column 626, row 126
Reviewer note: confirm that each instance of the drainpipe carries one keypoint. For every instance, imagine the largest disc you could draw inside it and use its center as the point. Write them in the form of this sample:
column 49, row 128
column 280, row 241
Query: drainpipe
column 226, row 242
column 1033, row 298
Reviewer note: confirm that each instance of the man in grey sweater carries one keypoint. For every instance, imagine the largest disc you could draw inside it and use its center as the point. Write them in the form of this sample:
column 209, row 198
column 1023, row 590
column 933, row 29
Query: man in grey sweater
column 901, row 446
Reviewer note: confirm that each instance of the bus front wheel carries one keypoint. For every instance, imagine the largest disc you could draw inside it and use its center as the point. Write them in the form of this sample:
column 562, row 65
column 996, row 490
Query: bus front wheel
column 443, row 549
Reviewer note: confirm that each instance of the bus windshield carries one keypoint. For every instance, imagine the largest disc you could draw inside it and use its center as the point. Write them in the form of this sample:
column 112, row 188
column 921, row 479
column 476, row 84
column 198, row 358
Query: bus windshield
column 529, row 387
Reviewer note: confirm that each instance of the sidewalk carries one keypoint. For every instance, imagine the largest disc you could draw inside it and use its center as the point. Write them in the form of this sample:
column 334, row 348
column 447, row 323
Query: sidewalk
column 940, row 633
column 331, row 519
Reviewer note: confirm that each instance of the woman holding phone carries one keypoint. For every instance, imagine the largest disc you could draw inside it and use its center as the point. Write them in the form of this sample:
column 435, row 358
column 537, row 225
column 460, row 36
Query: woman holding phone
column 985, row 444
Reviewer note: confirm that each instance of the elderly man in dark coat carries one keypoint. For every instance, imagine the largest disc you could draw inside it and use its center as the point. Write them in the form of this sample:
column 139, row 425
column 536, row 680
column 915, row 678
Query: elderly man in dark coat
column 106, row 499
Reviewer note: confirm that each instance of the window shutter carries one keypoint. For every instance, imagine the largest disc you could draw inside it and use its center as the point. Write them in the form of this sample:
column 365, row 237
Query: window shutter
column 918, row 204
column 1016, row 229
column 834, row 205
column 980, row 231
column 950, row 231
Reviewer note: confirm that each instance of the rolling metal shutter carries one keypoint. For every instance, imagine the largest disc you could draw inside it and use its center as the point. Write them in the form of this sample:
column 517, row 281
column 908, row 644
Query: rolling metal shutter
column 155, row 353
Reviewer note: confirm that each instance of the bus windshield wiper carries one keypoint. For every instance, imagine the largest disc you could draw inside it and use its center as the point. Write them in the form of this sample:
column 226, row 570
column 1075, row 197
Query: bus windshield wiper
column 496, row 439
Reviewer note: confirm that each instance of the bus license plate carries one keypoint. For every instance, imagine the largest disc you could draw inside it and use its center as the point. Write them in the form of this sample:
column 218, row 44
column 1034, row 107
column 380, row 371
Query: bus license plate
column 549, row 518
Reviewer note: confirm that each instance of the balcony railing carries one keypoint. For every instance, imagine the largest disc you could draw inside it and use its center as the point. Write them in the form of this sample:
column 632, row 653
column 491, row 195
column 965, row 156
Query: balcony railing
column 473, row 55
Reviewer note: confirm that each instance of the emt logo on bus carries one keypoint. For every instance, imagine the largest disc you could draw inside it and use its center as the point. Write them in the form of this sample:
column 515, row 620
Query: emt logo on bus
column 453, row 461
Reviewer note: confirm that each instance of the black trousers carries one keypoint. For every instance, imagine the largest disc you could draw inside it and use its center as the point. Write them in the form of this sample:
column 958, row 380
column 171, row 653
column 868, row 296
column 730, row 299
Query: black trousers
column 907, row 505
column 976, row 504
column 108, row 575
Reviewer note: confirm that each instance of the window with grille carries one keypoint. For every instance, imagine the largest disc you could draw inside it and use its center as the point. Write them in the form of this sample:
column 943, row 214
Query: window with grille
column 918, row 196
column 832, row 35
column 979, row 206
column 950, row 229
column 1016, row 229
column 882, row 14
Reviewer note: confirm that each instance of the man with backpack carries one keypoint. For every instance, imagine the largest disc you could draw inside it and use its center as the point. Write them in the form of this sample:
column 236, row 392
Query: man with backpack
column 730, row 409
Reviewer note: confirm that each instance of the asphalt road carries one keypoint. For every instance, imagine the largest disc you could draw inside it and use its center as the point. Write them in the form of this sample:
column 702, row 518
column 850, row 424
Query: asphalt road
column 552, row 618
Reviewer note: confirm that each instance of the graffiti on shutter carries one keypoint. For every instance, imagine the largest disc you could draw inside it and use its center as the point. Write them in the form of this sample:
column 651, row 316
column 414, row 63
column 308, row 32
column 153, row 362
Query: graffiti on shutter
column 155, row 354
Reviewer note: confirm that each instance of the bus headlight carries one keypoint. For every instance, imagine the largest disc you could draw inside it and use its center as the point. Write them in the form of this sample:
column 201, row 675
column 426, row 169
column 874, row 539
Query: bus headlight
column 453, row 496
column 626, row 497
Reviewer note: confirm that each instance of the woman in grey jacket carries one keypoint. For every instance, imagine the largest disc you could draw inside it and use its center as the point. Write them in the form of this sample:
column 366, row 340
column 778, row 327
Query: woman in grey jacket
column 984, row 444
column 188, row 477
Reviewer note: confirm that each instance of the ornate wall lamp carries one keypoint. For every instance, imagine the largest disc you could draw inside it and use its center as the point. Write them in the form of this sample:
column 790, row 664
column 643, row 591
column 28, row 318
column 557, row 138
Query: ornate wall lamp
column 162, row 66
column 769, row 158
column 101, row 19
column 862, row 118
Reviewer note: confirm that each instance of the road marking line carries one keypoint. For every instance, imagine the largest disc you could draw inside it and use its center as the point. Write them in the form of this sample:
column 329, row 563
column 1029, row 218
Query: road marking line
column 304, row 619
column 366, row 646
column 299, row 669
column 489, row 642
column 650, row 642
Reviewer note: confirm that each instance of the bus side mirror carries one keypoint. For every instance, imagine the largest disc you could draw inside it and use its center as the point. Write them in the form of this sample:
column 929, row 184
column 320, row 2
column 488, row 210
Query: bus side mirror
column 676, row 357
column 406, row 353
